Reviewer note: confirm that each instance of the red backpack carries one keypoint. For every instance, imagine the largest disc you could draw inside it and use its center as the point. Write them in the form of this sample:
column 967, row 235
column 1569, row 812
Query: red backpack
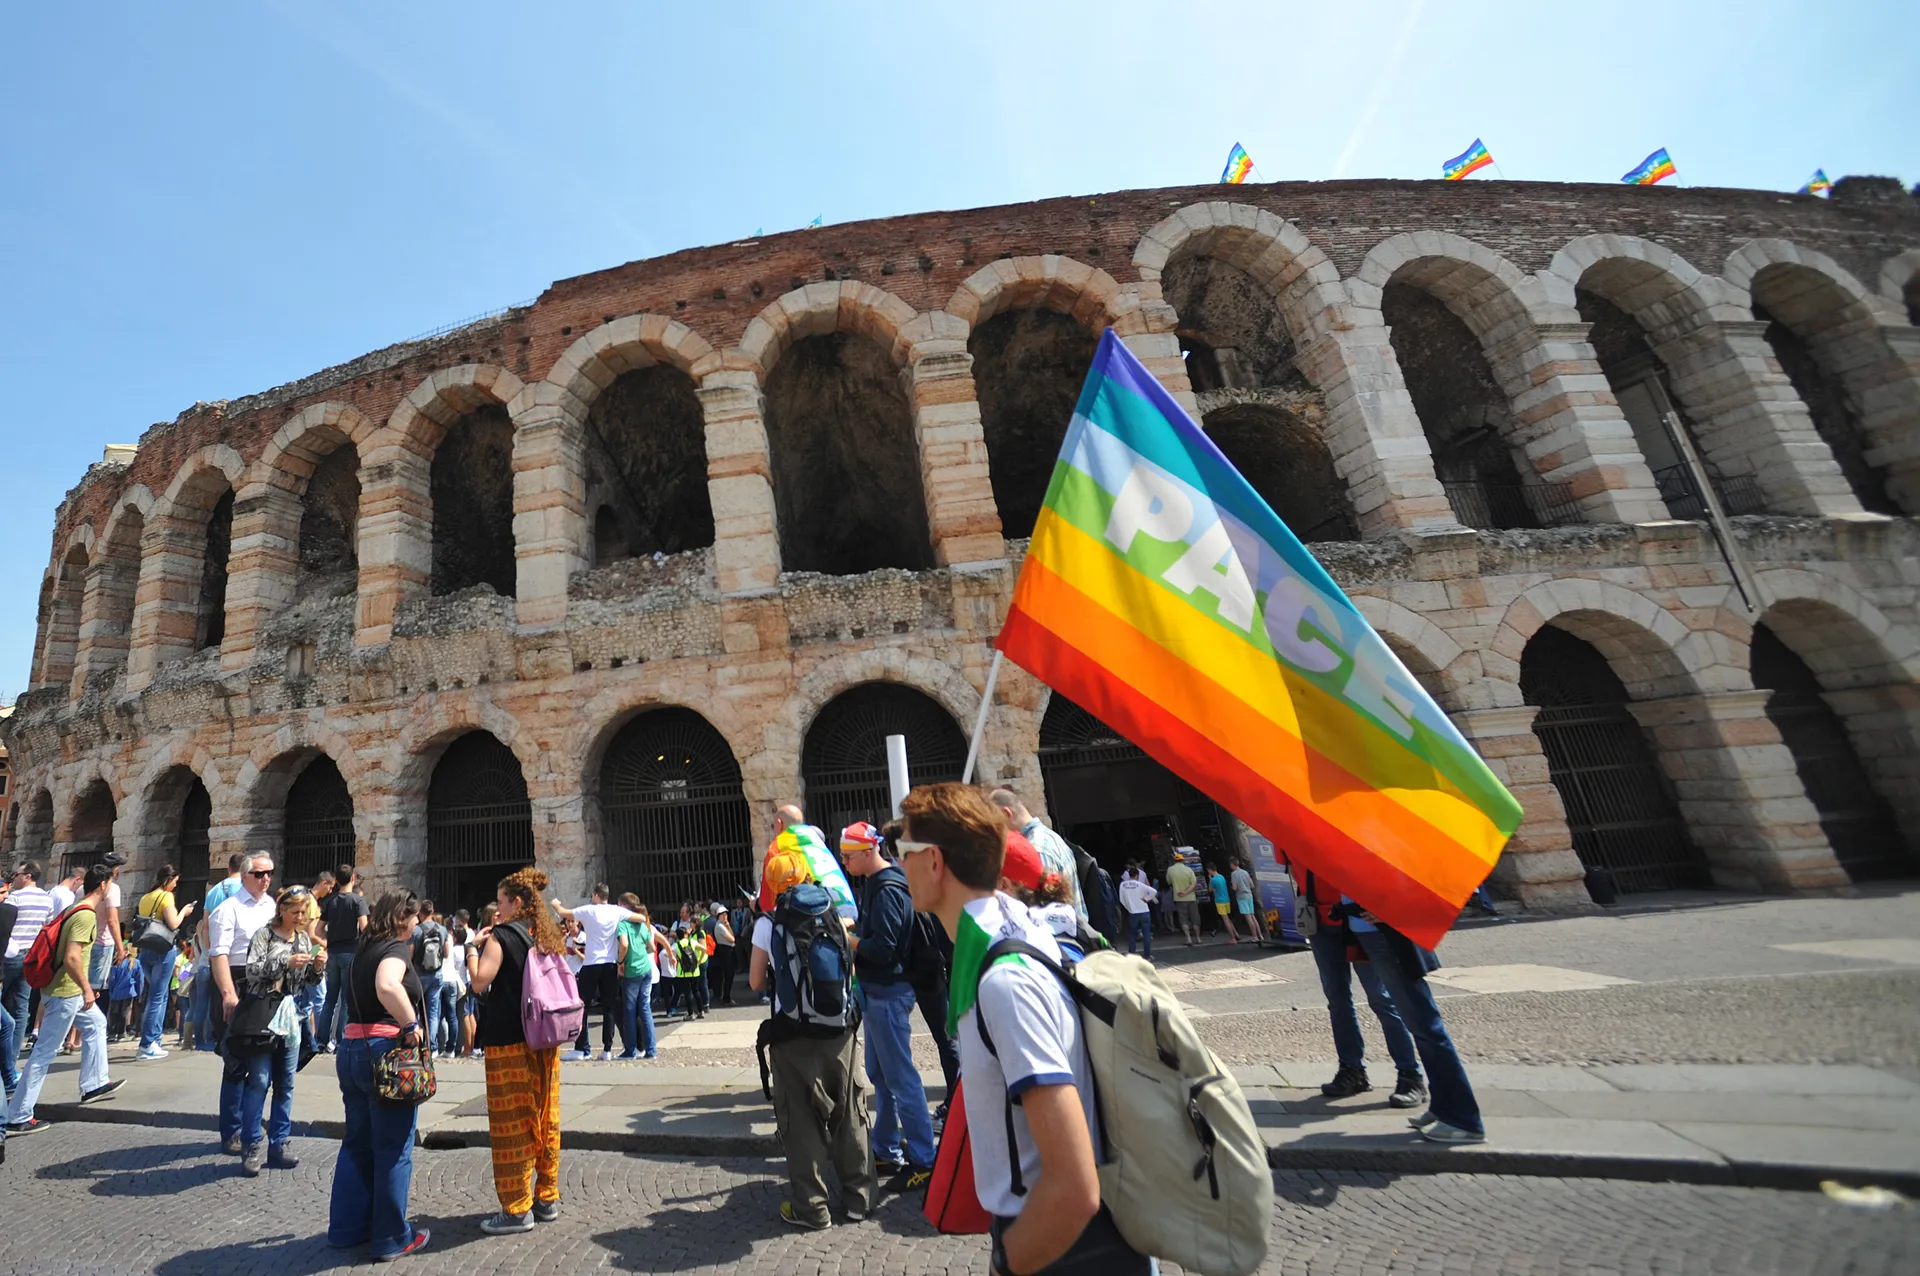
column 42, row 962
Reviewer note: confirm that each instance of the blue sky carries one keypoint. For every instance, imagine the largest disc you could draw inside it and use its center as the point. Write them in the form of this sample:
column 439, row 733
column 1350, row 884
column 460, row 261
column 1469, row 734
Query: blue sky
column 201, row 200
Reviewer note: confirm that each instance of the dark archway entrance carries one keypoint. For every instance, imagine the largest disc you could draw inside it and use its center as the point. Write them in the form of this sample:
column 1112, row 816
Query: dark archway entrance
column 646, row 451
column 843, row 763
column 1107, row 795
column 1284, row 459
column 472, row 488
column 1858, row 822
column 93, row 818
column 675, row 815
column 479, row 821
column 1028, row 367
column 196, row 843
column 1620, row 806
column 319, row 832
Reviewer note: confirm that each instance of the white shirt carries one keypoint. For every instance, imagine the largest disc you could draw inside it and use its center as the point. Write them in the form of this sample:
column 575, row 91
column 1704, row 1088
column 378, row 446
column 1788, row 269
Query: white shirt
column 63, row 899
column 36, row 910
column 454, row 969
column 1135, row 895
column 599, row 928
column 232, row 925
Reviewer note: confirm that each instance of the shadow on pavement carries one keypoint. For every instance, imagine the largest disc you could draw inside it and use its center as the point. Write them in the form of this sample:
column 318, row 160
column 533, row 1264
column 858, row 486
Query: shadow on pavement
column 152, row 1170
column 713, row 1230
column 283, row 1254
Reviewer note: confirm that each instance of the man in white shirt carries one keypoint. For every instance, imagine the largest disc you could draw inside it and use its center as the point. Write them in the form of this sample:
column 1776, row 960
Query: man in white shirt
column 67, row 890
column 36, row 909
column 1055, row 855
column 230, row 931
column 1135, row 897
column 1044, row 1190
column 599, row 964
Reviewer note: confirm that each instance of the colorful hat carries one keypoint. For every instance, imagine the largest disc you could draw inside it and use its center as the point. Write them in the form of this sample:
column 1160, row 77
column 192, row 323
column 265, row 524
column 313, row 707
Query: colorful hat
column 1022, row 863
column 785, row 868
column 860, row 836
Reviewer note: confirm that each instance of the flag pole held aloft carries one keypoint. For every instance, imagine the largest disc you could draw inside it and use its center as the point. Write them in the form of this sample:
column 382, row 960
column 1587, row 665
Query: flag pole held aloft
column 1164, row 596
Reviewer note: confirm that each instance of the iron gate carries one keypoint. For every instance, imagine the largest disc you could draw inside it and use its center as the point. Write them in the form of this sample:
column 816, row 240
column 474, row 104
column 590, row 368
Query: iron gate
column 479, row 822
column 844, row 761
column 196, row 845
column 319, row 831
column 1858, row 822
column 676, row 818
column 1076, row 747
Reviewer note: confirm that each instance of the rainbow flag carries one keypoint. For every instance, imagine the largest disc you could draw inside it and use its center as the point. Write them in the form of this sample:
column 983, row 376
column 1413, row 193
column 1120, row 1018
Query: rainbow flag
column 1652, row 169
column 1471, row 160
column 1239, row 164
column 1817, row 184
column 1165, row 597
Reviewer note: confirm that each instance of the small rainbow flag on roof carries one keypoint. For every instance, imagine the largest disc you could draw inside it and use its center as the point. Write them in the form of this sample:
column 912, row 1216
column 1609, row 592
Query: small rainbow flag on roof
column 1652, row 169
column 1164, row 596
column 1239, row 164
column 1474, row 158
column 1817, row 184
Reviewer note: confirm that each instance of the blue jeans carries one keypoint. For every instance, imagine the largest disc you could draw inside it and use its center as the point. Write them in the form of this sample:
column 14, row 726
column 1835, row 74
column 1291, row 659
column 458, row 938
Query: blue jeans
column 57, row 1015
column 1140, row 930
column 275, row 1067
column 1450, row 1093
column 99, row 962
column 374, row 1172
column 200, row 1010
column 158, row 968
column 339, row 970
column 900, row 1101
column 1330, row 955
column 17, row 995
column 449, row 1018
column 430, row 984
column 636, row 1017
column 8, row 1074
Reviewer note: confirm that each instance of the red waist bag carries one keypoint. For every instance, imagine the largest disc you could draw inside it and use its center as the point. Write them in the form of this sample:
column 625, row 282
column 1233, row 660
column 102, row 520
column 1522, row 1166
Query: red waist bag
column 952, row 1205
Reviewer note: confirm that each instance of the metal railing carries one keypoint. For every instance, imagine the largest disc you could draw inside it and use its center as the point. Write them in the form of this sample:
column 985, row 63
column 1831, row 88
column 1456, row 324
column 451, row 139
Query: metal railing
column 1512, row 506
column 1738, row 494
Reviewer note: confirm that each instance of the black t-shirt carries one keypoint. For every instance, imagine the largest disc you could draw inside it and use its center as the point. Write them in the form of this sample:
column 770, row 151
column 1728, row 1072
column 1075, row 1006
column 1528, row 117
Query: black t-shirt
column 501, row 1025
column 9, row 914
column 342, row 912
column 364, row 1004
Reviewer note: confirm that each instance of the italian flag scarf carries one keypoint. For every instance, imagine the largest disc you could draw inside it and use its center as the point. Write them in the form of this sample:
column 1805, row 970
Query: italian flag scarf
column 984, row 923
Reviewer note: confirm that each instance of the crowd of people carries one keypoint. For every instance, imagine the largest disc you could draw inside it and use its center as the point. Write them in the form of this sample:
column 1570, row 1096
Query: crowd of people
column 887, row 928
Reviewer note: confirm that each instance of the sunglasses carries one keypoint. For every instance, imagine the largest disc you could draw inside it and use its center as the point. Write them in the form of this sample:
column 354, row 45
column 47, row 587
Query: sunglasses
column 259, row 872
column 913, row 848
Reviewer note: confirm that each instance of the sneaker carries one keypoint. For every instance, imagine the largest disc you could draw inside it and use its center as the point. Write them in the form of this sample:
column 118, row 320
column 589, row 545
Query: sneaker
column 575, row 1056
column 1441, row 1132
column 546, row 1211
column 505, row 1224
column 151, row 1052
column 606, row 1056
column 418, row 1243
column 254, row 1158
column 628, row 1056
column 914, row 1178
column 101, row 1092
column 791, row 1219
column 32, row 1125
column 1347, row 1082
column 231, row 1146
column 279, row 1158
column 855, row 1214
column 1422, row 1121
column 1409, row 1091
column 887, row 1168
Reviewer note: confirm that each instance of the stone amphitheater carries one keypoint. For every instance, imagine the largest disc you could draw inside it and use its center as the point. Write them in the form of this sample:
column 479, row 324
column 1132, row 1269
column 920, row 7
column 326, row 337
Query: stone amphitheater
column 1625, row 476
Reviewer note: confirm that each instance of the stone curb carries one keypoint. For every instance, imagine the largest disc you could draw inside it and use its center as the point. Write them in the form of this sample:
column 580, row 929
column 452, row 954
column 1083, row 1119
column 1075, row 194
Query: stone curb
column 1418, row 1159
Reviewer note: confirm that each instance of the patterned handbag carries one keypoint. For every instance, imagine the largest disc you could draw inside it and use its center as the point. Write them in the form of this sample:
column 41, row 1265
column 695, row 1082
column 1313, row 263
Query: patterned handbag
column 403, row 1076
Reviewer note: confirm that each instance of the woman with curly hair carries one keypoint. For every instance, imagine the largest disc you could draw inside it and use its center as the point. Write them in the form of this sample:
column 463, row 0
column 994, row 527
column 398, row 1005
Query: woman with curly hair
column 523, row 1084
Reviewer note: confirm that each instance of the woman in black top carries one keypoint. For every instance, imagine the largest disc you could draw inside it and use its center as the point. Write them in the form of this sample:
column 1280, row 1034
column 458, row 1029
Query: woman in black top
column 372, row 1177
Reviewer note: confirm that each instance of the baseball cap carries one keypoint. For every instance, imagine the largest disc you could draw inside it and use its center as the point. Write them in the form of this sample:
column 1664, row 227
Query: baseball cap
column 1021, row 866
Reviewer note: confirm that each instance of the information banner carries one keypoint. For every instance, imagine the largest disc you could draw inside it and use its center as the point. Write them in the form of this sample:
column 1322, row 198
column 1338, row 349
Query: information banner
column 1274, row 887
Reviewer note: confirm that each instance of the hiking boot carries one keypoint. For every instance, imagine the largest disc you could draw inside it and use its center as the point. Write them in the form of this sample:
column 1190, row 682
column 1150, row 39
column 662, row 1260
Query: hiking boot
column 254, row 1158
column 280, row 1158
column 546, row 1211
column 792, row 1219
column 911, row 1179
column 1409, row 1091
column 101, row 1092
column 1347, row 1082
column 505, row 1224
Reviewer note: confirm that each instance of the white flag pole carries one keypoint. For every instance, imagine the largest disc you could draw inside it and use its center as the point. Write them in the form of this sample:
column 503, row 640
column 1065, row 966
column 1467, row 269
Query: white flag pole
column 980, row 719
column 897, row 770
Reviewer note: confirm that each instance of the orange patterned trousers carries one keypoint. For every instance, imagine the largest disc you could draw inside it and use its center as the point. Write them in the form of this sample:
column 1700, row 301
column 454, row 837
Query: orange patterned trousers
column 523, row 1121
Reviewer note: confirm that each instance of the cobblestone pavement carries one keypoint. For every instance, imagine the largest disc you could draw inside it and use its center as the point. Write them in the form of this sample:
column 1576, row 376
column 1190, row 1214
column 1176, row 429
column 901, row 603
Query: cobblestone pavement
column 81, row 1200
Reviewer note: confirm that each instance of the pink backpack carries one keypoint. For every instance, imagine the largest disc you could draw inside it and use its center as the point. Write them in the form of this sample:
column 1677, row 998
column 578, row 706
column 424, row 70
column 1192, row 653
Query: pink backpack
column 551, row 1011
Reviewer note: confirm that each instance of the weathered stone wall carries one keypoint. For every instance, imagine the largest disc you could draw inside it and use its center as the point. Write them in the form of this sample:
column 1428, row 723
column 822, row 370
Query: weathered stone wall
column 844, row 407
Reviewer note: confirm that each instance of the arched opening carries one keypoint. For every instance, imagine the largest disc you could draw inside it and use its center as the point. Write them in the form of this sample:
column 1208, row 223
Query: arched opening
column 1028, row 367
column 330, row 517
column 1814, row 341
column 472, row 487
column 1105, row 794
column 1232, row 333
column 178, row 831
column 1287, row 463
column 91, row 836
column 319, row 823
column 107, row 612
column 1620, row 806
column 674, row 814
column 843, row 762
column 1640, row 382
column 846, row 470
column 63, row 618
column 211, row 625
column 647, row 466
column 479, row 821
column 1912, row 295
column 1464, row 413
column 1859, row 824
column 34, row 838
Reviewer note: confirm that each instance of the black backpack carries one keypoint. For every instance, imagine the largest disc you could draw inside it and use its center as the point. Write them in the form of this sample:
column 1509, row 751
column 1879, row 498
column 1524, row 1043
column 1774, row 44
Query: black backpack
column 812, row 967
column 433, row 949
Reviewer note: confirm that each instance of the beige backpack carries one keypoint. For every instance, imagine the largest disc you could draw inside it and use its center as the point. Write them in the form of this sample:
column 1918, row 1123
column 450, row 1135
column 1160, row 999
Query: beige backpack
column 1185, row 1175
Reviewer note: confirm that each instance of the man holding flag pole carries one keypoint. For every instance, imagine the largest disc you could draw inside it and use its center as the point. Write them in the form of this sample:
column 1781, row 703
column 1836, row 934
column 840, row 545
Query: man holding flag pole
column 1163, row 595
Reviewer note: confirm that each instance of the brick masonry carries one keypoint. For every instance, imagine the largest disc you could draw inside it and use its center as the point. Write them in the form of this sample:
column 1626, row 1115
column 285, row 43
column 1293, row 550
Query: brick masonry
column 380, row 675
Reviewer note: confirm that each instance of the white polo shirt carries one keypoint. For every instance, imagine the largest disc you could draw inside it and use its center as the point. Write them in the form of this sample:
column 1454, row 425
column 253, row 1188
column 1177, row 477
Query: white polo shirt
column 599, row 928
column 230, row 930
